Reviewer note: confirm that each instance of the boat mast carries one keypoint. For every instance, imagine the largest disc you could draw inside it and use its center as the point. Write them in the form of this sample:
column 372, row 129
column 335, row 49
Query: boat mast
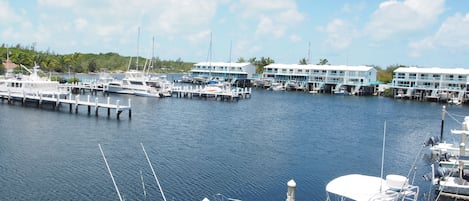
column 210, row 56
column 138, row 44
column 153, row 171
column 152, row 52
column 382, row 158
column 110, row 173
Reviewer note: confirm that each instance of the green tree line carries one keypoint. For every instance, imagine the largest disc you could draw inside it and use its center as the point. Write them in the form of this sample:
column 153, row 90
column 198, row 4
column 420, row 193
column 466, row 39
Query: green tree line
column 84, row 63
column 113, row 62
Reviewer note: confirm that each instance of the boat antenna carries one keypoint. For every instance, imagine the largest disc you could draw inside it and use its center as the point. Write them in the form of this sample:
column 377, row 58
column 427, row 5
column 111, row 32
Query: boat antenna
column 138, row 44
column 143, row 186
column 128, row 66
column 153, row 53
column 309, row 53
column 153, row 171
column 382, row 157
column 443, row 111
column 209, row 56
column 110, row 173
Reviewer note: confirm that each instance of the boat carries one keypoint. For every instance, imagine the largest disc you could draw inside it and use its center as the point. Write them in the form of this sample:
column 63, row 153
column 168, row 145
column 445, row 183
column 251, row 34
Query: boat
column 276, row 87
column 454, row 101
column 454, row 181
column 440, row 149
column 32, row 85
column 149, row 93
column 140, row 83
column 361, row 187
column 341, row 91
column 185, row 79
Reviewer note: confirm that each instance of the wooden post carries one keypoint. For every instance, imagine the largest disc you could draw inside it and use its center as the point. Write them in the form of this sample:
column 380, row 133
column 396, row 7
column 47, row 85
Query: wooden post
column 117, row 109
column 96, row 106
column 77, row 97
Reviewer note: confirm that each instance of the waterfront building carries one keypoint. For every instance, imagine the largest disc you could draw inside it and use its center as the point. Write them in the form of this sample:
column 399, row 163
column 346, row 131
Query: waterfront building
column 437, row 84
column 325, row 78
column 205, row 71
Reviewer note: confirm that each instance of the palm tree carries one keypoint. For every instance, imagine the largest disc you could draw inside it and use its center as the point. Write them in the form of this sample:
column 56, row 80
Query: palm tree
column 303, row 61
column 323, row 62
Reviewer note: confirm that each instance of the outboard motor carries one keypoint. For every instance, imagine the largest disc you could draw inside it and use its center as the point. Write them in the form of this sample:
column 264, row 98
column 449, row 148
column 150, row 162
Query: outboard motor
column 432, row 141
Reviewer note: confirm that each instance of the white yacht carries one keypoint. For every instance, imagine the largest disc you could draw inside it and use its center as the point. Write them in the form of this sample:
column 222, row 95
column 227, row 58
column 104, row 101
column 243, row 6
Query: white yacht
column 364, row 188
column 136, row 82
column 31, row 84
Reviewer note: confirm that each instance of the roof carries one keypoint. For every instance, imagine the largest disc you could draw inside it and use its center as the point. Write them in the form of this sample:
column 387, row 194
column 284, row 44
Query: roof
column 9, row 64
column 432, row 70
column 320, row 67
column 356, row 186
column 232, row 64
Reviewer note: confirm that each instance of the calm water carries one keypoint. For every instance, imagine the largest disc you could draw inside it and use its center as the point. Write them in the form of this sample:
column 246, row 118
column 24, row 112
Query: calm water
column 247, row 150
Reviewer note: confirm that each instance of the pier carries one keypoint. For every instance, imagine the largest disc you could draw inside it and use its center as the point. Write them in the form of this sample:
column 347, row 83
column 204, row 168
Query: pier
column 81, row 88
column 226, row 94
column 74, row 103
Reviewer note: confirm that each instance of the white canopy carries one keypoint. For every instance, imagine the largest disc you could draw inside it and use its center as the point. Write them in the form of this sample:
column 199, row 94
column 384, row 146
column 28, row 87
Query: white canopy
column 357, row 187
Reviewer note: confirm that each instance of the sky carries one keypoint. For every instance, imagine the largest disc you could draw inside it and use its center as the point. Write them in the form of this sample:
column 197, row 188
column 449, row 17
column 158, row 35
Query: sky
column 421, row 33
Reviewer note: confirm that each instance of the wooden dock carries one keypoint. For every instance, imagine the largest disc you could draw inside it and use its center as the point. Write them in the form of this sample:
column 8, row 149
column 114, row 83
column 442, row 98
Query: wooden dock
column 81, row 88
column 199, row 91
column 74, row 103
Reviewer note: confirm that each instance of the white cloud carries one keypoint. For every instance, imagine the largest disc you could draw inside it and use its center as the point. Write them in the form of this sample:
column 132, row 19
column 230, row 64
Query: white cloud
column 58, row 3
column 200, row 36
column 395, row 17
column 453, row 34
column 273, row 17
column 295, row 38
column 80, row 23
column 339, row 34
column 7, row 14
column 106, row 22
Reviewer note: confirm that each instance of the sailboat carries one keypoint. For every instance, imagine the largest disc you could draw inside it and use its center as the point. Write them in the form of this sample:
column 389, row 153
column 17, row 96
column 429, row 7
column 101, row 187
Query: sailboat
column 453, row 181
column 140, row 83
column 361, row 187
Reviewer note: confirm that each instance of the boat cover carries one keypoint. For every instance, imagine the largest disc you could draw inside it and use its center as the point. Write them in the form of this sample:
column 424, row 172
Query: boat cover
column 357, row 187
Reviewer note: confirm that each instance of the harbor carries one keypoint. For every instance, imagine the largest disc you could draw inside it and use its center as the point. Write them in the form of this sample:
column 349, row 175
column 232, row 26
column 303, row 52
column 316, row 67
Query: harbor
column 204, row 148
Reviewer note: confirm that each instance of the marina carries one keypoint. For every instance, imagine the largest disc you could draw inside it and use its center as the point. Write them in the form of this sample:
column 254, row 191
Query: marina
column 206, row 148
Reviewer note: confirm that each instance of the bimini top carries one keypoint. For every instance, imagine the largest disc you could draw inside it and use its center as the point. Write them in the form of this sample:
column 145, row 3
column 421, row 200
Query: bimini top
column 357, row 187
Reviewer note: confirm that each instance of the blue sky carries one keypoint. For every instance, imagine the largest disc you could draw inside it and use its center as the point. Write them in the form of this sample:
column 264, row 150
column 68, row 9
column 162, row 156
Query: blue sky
column 424, row 33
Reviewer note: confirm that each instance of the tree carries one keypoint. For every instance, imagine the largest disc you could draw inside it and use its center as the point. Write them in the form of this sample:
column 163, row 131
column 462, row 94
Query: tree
column 92, row 67
column 264, row 61
column 2, row 70
column 303, row 61
column 241, row 60
column 323, row 62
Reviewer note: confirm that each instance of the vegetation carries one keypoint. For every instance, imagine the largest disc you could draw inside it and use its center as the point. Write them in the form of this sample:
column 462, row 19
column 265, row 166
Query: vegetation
column 83, row 63
column 113, row 62
column 303, row 61
column 323, row 62
column 385, row 76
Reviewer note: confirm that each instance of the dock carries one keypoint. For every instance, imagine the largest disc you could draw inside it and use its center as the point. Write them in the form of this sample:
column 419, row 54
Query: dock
column 81, row 88
column 200, row 91
column 74, row 103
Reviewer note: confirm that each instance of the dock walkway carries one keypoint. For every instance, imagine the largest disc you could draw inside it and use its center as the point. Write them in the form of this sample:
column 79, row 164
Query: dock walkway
column 57, row 100
column 199, row 91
